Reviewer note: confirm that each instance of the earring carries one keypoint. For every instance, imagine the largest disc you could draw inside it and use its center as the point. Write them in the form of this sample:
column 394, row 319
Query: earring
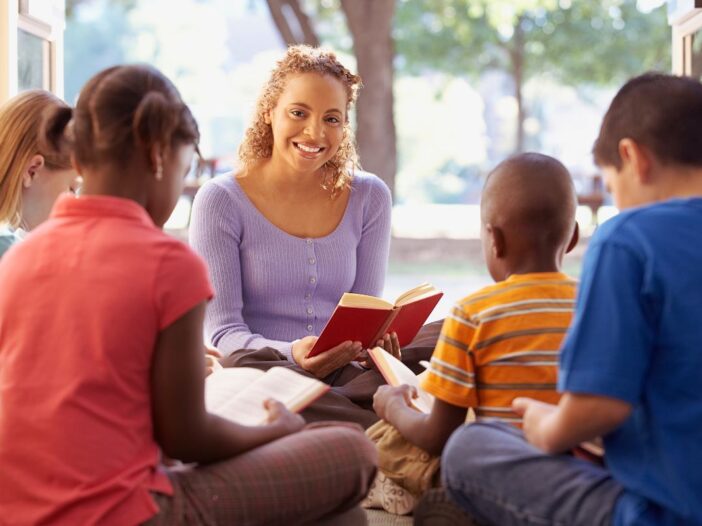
column 159, row 172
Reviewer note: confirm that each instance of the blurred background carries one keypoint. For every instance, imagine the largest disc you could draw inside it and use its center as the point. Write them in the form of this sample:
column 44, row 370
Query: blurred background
column 452, row 87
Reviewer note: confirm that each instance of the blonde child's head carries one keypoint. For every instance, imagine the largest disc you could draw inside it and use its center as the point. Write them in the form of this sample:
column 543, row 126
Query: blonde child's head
column 23, row 154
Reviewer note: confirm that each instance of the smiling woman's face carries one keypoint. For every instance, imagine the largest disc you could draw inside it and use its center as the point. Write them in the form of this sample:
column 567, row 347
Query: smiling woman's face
column 308, row 121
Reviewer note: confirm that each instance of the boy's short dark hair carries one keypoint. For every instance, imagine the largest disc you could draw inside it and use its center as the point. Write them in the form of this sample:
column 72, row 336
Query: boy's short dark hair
column 532, row 194
column 658, row 111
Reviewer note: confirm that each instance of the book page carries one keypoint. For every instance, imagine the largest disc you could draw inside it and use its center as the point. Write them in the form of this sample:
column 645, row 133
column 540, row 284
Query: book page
column 350, row 299
column 224, row 383
column 397, row 373
column 412, row 292
column 293, row 390
column 424, row 290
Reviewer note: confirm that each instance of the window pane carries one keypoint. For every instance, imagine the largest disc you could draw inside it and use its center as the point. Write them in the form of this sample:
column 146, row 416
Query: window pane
column 697, row 55
column 30, row 61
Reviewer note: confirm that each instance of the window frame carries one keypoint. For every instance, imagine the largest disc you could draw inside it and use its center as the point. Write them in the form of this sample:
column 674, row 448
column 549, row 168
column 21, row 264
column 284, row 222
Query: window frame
column 686, row 21
column 15, row 16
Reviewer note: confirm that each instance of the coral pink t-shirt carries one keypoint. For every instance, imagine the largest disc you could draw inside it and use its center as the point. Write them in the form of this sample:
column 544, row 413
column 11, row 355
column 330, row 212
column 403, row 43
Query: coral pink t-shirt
column 83, row 300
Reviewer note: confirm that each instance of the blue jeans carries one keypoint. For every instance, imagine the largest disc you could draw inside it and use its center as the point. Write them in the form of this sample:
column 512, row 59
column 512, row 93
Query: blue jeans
column 495, row 475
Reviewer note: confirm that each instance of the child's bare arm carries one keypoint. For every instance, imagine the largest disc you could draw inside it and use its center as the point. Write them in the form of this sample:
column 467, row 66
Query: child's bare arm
column 182, row 426
column 577, row 418
column 430, row 432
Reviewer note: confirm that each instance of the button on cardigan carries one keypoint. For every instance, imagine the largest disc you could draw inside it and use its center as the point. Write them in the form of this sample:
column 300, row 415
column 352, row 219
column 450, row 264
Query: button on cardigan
column 271, row 287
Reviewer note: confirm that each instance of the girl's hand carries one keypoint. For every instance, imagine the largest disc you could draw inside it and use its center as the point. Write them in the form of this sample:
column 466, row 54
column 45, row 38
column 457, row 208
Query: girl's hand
column 280, row 417
column 212, row 357
column 386, row 397
column 390, row 343
column 327, row 362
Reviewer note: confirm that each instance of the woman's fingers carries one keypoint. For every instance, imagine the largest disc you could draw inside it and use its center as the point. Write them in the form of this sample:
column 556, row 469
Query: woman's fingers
column 325, row 363
column 395, row 346
column 391, row 344
column 209, row 351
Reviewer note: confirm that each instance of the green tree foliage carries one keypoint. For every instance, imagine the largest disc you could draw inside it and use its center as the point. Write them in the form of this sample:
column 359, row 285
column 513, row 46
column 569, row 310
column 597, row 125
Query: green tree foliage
column 577, row 42
column 573, row 42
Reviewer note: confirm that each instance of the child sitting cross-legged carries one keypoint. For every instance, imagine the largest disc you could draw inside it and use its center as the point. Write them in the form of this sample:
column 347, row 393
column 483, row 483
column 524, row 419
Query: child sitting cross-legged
column 101, row 362
column 498, row 343
column 630, row 365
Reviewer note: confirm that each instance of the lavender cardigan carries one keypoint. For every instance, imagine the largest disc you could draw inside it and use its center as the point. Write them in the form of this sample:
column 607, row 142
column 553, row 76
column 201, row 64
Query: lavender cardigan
column 271, row 287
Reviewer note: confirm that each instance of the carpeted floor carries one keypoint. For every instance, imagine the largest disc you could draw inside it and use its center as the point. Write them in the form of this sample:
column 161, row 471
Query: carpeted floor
column 383, row 518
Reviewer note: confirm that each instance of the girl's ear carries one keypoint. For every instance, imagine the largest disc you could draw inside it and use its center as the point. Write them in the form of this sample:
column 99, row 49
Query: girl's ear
column 75, row 165
column 267, row 117
column 35, row 164
column 156, row 158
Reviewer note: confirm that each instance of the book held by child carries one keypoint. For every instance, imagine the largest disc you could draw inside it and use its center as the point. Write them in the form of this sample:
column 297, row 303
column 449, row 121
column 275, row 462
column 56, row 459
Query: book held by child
column 238, row 393
column 397, row 373
column 367, row 319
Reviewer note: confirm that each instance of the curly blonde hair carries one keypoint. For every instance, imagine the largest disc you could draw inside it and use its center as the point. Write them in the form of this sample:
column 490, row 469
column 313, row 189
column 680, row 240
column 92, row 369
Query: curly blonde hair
column 258, row 140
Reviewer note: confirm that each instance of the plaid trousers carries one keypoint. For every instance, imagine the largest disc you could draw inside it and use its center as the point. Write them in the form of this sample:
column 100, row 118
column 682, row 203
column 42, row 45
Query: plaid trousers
column 324, row 470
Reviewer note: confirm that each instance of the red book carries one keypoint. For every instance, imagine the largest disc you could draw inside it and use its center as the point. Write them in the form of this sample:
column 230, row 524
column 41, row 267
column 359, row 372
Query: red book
column 366, row 319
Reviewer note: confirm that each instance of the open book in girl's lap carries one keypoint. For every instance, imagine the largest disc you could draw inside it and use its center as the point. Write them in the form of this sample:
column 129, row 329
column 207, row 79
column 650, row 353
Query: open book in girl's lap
column 238, row 393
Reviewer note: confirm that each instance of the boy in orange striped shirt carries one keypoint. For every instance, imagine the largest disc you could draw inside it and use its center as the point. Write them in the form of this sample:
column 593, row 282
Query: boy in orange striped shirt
column 497, row 344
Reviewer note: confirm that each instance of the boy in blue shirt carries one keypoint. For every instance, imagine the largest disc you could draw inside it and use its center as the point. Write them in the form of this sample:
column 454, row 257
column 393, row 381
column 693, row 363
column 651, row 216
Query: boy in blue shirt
column 631, row 363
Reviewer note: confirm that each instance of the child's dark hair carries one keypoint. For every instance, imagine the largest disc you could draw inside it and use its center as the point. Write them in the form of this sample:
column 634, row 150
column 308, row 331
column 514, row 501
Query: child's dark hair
column 121, row 111
column 660, row 112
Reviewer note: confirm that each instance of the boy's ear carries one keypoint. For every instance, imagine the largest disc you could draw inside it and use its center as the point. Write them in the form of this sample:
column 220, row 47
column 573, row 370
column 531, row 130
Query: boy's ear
column 497, row 238
column 33, row 166
column 637, row 158
column 574, row 238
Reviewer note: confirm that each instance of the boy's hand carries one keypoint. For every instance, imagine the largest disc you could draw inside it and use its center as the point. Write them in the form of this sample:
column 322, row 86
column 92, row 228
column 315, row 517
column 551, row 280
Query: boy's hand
column 387, row 397
column 212, row 357
column 280, row 417
column 535, row 424
column 327, row 362
column 390, row 343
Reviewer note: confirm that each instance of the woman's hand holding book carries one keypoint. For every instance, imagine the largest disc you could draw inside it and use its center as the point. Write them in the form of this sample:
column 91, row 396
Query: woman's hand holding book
column 322, row 365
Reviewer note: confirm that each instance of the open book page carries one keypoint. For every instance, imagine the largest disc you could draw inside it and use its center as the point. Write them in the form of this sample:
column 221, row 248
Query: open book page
column 351, row 299
column 424, row 290
column 224, row 383
column 293, row 390
column 397, row 373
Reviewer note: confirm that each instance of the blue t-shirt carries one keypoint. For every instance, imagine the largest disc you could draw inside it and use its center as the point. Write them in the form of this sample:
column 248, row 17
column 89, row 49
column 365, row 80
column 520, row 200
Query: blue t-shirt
column 637, row 337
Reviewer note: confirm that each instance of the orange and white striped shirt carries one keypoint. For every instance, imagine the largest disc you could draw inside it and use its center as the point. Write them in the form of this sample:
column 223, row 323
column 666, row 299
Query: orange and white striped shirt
column 503, row 342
